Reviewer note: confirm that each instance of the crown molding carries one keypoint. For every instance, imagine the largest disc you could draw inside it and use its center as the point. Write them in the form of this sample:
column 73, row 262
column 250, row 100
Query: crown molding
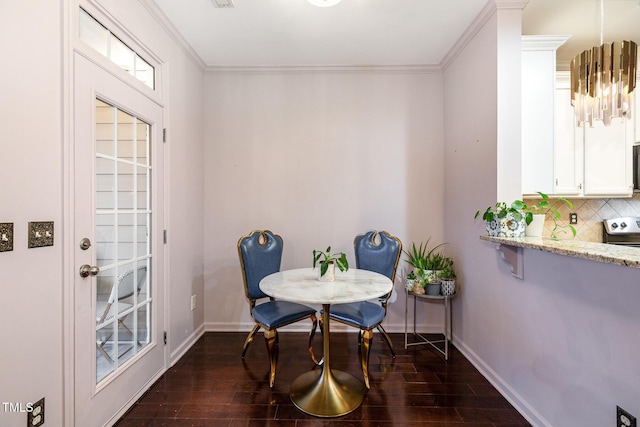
column 173, row 32
column 511, row 4
column 536, row 42
column 489, row 9
column 480, row 20
column 326, row 69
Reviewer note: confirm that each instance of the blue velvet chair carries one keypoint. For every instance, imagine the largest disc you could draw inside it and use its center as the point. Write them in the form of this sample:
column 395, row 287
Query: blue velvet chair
column 380, row 252
column 260, row 254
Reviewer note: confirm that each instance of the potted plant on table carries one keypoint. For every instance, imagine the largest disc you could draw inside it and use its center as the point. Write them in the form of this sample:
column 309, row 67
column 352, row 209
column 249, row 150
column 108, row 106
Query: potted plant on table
column 414, row 283
column 448, row 278
column 505, row 220
column 328, row 263
column 426, row 263
column 538, row 213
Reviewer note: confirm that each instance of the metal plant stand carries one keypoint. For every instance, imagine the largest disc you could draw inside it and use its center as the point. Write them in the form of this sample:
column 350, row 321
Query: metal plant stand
column 421, row 339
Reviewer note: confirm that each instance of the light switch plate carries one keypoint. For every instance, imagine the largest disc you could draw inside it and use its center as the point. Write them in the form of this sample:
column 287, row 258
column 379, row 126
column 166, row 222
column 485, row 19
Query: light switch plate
column 40, row 234
column 6, row 236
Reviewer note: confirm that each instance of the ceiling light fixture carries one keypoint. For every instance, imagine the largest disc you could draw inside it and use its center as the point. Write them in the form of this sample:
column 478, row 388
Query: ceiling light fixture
column 602, row 80
column 223, row 3
column 324, row 3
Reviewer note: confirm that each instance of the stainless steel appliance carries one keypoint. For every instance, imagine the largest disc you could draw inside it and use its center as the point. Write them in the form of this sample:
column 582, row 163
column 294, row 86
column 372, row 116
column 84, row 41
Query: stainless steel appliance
column 622, row 231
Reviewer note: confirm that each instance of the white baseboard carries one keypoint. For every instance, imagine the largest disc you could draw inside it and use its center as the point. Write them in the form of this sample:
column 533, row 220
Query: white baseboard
column 177, row 354
column 515, row 399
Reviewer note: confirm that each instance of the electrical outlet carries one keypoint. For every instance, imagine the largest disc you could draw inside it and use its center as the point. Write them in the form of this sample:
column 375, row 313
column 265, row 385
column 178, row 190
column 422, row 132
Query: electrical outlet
column 193, row 302
column 624, row 419
column 573, row 218
column 35, row 417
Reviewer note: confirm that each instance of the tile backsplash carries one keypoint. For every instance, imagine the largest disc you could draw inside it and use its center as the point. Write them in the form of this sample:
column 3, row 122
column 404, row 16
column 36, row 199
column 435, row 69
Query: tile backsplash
column 591, row 212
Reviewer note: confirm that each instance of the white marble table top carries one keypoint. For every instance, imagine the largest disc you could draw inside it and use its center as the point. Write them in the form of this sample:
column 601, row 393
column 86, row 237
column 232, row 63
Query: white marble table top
column 302, row 285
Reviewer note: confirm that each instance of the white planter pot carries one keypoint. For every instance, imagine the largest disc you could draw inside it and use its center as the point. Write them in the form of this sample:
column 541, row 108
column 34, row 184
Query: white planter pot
column 409, row 284
column 330, row 275
column 536, row 227
column 506, row 227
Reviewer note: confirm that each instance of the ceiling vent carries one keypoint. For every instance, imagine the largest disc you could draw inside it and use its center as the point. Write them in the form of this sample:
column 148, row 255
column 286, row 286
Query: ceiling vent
column 222, row 3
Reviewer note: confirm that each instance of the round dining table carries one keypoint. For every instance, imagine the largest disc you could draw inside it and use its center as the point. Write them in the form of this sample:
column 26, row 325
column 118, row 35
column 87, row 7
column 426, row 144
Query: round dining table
column 326, row 392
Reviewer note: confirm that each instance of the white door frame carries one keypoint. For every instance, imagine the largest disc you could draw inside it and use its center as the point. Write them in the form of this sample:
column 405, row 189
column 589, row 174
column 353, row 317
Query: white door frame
column 71, row 45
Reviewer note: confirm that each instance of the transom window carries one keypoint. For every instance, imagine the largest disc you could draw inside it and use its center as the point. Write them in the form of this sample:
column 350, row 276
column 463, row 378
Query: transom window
column 102, row 40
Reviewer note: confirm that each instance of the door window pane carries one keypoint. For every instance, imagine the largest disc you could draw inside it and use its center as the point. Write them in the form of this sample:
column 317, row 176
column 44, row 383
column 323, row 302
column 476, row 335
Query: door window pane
column 123, row 253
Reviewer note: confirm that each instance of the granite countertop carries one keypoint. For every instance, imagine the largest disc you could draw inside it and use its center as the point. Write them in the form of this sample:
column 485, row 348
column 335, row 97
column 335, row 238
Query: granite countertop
column 602, row 252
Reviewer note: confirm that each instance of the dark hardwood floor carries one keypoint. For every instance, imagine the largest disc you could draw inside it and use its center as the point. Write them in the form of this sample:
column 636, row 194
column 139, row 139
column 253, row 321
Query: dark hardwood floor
column 212, row 386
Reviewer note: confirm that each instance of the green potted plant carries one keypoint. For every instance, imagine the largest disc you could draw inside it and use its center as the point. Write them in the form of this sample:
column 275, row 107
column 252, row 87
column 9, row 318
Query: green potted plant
column 415, row 282
column 448, row 278
column 328, row 263
column 505, row 220
column 419, row 281
column 410, row 281
column 421, row 257
column 432, row 285
column 434, row 263
column 538, row 213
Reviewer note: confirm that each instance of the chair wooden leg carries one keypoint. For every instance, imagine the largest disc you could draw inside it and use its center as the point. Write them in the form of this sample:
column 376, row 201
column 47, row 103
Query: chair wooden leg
column 387, row 339
column 365, row 349
column 314, row 320
column 253, row 332
column 270, row 339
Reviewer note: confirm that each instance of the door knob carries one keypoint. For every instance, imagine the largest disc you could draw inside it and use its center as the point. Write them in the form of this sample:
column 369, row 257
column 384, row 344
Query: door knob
column 88, row 270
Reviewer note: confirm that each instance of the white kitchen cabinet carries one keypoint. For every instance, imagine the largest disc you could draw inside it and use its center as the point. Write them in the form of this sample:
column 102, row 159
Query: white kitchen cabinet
column 608, row 159
column 590, row 161
column 538, row 93
column 568, row 143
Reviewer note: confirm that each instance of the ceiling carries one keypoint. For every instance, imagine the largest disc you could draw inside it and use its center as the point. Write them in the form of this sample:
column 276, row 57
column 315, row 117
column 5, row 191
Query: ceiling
column 375, row 32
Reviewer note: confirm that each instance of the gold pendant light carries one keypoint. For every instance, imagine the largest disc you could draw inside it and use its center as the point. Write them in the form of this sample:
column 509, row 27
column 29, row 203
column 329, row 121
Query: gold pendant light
column 602, row 80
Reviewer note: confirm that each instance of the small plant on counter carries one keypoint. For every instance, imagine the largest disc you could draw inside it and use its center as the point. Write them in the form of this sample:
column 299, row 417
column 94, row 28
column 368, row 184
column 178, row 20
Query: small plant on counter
column 503, row 220
column 543, row 207
column 324, row 258
column 501, row 210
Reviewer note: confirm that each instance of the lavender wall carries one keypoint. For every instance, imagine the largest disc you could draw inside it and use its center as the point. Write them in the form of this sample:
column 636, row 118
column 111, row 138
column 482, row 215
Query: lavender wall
column 317, row 156
column 560, row 343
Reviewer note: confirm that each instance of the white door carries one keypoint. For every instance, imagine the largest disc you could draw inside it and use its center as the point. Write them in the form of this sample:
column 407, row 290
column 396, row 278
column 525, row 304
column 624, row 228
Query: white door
column 118, row 188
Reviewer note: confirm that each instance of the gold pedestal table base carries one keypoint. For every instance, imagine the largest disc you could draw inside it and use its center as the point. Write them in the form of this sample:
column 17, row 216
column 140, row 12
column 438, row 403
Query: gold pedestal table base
column 327, row 392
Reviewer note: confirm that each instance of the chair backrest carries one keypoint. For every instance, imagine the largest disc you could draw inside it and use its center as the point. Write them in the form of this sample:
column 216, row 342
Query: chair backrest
column 260, row 254
column 378, row 251
column 127, row 284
